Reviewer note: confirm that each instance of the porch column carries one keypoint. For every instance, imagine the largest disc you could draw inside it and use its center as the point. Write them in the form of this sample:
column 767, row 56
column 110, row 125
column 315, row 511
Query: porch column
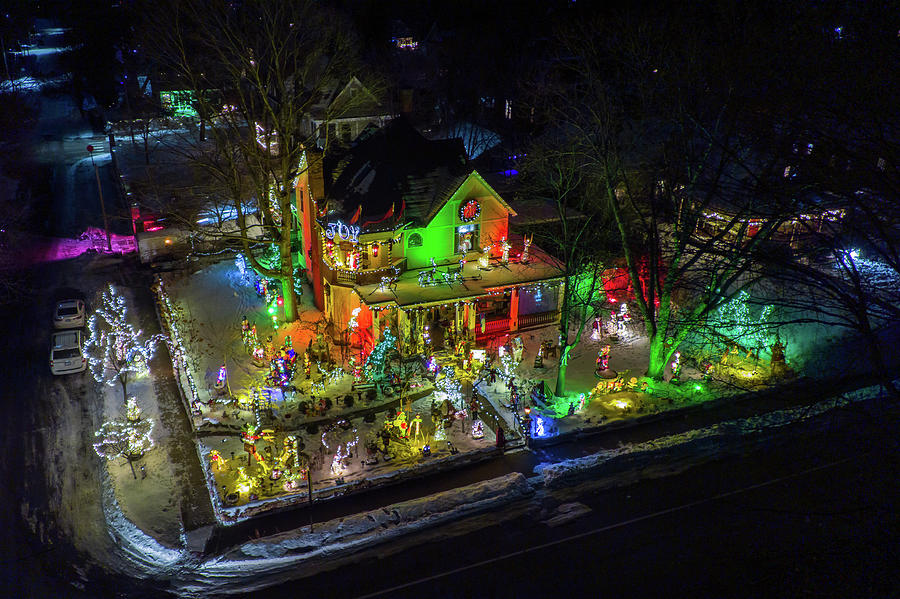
column 406, row 344
column 514, row 309
column 376, row 326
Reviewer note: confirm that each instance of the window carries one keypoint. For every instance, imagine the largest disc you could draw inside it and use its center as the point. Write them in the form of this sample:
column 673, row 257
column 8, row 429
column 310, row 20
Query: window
column 467, row 238
column 345, row 132
column 415, row 241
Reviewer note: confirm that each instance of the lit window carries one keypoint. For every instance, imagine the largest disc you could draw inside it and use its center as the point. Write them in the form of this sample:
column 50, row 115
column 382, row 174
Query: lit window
column 415, row 241
column 467, row 238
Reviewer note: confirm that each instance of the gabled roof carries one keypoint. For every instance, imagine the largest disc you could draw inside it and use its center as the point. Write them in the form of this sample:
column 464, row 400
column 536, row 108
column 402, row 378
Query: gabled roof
column 394, row 167
column 353, row 100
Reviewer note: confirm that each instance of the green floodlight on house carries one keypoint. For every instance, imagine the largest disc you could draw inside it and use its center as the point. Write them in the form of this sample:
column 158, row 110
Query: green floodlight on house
column 179, row 103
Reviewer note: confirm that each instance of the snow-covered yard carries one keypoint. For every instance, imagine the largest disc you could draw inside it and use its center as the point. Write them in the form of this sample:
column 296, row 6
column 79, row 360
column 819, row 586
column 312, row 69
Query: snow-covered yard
column 258, row 441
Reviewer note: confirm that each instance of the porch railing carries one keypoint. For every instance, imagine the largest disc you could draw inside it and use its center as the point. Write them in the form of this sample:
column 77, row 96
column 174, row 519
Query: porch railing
column 527, row 321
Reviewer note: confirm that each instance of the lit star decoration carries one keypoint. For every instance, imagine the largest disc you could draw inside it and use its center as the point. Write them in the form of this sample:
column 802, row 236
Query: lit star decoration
column 114, row 348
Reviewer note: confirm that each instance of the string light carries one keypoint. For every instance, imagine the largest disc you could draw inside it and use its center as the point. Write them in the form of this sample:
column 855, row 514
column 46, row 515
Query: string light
column 114, row 348
column 129, row 438
column 176, row 343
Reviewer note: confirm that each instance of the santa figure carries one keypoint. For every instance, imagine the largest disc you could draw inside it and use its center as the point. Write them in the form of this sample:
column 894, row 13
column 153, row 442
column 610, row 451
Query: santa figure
column 597, row 327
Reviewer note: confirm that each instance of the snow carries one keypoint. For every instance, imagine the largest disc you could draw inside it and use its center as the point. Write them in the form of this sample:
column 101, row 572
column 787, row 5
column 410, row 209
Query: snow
column 206, row 307
column 718, row 436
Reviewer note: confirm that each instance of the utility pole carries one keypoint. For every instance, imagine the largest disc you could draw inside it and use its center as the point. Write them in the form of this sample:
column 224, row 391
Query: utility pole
column 90, row 150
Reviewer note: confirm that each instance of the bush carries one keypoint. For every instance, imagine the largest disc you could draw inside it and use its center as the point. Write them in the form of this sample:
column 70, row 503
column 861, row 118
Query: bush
column 348, row 401
column 369, row 418
column 371, row 394
column 328, row 404
column 312, row 428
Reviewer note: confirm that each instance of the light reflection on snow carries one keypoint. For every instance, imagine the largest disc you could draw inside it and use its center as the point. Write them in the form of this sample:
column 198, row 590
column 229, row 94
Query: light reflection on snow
column 53, row 249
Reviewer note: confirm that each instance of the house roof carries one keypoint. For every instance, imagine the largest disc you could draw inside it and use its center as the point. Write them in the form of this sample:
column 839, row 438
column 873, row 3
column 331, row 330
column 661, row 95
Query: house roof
column 353, row 100
column 393, row 167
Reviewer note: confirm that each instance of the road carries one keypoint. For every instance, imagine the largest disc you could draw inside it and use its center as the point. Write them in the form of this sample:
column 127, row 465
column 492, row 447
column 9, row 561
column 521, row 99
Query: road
column 813, row 513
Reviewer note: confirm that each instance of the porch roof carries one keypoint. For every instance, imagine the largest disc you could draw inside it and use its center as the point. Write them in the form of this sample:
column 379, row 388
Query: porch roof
column 476, row 282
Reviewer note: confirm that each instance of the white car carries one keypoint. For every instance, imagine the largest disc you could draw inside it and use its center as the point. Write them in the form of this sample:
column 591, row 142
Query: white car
column 66, row 356
column 69, row 314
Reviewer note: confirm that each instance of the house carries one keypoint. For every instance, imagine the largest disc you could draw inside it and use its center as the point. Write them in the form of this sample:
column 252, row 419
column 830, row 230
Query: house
column 410, row 237
column 342, row 113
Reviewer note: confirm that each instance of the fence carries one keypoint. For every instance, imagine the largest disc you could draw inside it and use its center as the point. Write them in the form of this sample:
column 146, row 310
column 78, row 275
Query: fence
column 527, row 321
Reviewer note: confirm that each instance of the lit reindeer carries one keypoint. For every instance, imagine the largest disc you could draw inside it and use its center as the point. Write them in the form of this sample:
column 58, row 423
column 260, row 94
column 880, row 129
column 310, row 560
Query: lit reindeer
column 526, row 244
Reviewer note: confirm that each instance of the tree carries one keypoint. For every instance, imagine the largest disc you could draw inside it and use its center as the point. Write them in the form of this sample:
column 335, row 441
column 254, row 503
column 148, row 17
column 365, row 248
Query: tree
column 114, row 348
column 129, row 438
column 579, row 242
column 670, row 154
column 271, row 62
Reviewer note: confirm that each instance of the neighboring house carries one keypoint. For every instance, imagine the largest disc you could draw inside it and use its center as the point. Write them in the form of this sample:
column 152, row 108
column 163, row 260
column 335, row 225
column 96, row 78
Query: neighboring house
column 410, row 237
column 342, row 114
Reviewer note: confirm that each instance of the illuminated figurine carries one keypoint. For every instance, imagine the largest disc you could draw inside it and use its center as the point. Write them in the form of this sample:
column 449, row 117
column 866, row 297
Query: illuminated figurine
column 504, row 256
column 612, row 325
column 597, row 327
column 416, row 426
column 676, row 368
column 484, row 260
column 706, row 368
column 220, row 380
column 245, row 330
column 603, row 359
column 526, row 245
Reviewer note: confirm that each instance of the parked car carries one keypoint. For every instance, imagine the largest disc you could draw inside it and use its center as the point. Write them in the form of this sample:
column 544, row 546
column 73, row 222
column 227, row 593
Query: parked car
column 66, row 356
column 69, row 314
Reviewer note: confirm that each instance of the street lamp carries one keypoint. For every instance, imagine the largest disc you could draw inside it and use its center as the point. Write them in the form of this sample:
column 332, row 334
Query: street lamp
column 90, row 150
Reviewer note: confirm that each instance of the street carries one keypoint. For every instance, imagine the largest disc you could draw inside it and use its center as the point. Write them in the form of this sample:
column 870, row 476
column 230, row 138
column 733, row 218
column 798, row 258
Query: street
column 813, row 514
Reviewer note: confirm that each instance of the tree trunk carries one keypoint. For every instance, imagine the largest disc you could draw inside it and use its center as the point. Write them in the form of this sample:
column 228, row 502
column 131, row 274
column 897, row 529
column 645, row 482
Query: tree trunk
column 659, row 356
column 561, row 373
column 123, row 379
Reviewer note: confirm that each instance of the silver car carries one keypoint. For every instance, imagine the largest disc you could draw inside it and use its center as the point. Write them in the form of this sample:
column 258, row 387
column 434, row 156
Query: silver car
column 69, row 314
column 66, row 356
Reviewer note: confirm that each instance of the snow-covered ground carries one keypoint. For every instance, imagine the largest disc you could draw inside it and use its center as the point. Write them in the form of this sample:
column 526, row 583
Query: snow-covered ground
column 340, row 444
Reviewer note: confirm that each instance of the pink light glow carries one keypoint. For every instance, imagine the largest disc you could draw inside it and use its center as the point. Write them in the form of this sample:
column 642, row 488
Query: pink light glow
column 51, row 249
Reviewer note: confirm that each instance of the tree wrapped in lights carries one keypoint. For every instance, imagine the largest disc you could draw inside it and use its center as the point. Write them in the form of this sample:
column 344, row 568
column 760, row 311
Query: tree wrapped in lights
column 449, row 387
column 114, row 348
column 129, row 438
column 376, row 360
column 751, row 332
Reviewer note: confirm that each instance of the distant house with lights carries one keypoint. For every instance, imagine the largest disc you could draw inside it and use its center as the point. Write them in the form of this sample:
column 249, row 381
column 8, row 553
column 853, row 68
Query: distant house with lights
column 410, row 237
column 342, row 113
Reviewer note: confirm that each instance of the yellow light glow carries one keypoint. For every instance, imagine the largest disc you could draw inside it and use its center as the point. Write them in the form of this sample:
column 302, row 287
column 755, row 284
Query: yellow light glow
column 621, row 404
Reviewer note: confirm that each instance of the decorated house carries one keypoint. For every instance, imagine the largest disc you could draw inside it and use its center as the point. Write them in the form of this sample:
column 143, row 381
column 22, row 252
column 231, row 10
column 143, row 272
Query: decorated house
column 341, row 113
column 410, row 237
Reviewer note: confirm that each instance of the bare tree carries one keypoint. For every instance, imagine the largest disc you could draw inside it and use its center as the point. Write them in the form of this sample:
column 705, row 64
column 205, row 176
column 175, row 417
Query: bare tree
column 694, row 198
column 114, row 348
column 579, row 240
column 271, row 62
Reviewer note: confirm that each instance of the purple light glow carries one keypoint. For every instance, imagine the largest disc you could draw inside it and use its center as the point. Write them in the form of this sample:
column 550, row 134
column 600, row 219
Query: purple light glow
column 51, row 249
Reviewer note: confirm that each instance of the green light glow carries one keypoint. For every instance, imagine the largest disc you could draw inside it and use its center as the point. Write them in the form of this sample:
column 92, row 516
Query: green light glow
column 735, row 321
